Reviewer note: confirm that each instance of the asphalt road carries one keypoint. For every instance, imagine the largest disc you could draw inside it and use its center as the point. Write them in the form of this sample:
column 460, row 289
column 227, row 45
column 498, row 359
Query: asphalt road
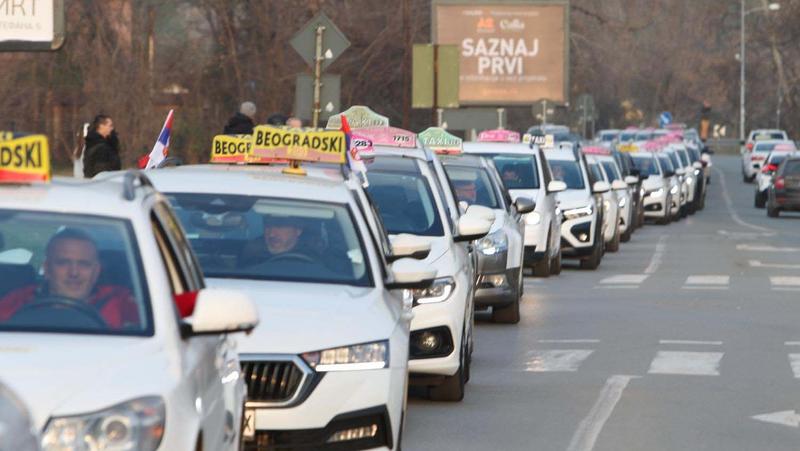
column 675, row 343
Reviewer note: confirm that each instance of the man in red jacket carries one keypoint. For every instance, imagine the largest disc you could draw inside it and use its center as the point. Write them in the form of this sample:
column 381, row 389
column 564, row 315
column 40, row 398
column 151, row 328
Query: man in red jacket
column 71, row 270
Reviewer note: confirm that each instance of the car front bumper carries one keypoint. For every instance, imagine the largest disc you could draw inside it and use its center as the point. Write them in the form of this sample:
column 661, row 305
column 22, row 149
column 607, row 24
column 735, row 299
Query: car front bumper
column 572, row 230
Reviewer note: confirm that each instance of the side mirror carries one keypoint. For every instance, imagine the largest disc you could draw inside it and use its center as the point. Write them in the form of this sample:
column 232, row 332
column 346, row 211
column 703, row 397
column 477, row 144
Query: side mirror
column 410, row 274
column 680, row 171
column 406, row 245
column 556, row 186
column 219, row 311
column 631, row 179
column 479, row 211
column 618, row 185
column 697, row 165
column 706, row 158
column 525, row 205
column 601, row 187
column 471, row 228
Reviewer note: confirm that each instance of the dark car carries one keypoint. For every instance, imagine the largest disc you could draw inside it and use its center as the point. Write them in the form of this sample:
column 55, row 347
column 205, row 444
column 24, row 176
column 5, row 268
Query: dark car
column 784, row 193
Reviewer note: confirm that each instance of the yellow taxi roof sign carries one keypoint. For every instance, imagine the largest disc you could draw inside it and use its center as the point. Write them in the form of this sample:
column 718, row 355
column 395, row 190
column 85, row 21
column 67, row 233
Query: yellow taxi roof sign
column 231, row 148
column 441, row 142
column 324, row 146
column 25, row 159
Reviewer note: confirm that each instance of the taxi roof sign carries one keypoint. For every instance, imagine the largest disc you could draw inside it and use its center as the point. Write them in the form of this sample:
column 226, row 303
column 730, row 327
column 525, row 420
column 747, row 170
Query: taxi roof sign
column 543, row 141
column 25, row 159
column 296, row 145
column 231, row 148
column 441, row 142
column 629, row 147
column 358, row 117
column 499, row 136
column 596, row 150
column 389, row 137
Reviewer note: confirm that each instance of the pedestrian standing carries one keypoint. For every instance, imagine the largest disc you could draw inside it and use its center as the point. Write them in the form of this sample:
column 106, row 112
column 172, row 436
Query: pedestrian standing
column 243, row 122
column 102, row 147
column 294, row 122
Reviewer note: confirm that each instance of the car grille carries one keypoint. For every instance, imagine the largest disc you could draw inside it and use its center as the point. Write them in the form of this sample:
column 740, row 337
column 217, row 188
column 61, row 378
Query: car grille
column 272, row 381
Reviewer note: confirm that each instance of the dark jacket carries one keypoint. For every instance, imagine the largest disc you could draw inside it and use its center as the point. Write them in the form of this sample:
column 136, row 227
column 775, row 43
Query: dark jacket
column 101, row 154
column 239, row 124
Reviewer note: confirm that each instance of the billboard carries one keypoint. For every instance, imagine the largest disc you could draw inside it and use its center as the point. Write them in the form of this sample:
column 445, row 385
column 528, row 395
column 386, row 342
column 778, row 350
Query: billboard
column 29, row 25
column 512, row 52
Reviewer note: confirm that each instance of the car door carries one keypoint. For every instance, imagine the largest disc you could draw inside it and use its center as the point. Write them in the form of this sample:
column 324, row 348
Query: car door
column 550, row 210
column 207, row 358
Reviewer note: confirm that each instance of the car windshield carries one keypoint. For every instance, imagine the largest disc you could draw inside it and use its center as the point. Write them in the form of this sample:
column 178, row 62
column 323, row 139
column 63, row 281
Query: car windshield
column 517, row 171
column 666, row 163
column 597, row 173
column 694, row 154
column 627, row 136
column 763, row 136
column 777, row 159
column 607, row 137
column 405, row 202
column 611, row 170
column 673, row 157
column 644, row 136
column 645, row 164
column 258, row 238
column 684, row 158
column 690, row 135
column 766, row 147
column 567, row 171
column 473, row 186
column 65, row 273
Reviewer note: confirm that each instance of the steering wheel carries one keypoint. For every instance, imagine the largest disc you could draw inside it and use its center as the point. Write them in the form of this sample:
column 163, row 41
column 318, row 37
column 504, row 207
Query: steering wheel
column 292, row 256
column 63, row 302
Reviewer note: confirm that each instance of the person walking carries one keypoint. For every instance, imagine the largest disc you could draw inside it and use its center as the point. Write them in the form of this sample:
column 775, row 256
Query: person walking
column 243, row 122
column 102, row 147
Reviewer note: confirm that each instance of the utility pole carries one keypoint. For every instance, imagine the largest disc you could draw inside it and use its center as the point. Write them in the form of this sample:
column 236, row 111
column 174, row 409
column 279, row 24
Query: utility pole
column 406, row 63
column 742, row 76
column 317, row 77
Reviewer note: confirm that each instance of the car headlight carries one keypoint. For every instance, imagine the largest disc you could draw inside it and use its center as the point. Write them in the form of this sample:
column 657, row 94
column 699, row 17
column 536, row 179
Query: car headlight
column 439, row 291
column 136, row 424
column 689, row 180
column 622, row 202
column 642, row 192
column 366, row 356
column 493, row 243
column 674, row 190
column 656, row 193
column 579, row 212
column 533, row 218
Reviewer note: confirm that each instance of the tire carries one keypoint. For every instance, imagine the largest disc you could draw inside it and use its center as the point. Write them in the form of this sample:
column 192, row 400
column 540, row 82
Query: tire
column 773, row 212
column 452, row 389
column 626, row 236
column 555, row 267
column 542, row 268
column 760, row 200
column 593, row 261
column 613, row 246
column 508, row 314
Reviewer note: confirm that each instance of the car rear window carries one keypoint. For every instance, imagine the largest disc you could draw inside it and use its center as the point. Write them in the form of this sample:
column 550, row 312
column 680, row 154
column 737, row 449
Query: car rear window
column 568, row 172
column 517, row 171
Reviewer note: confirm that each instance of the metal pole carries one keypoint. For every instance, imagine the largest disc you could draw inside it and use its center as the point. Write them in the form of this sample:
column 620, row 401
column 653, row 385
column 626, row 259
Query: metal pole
column 436, row 117
column 544, row 112
column 317, row 78
column 780, row 102
column 742, row 89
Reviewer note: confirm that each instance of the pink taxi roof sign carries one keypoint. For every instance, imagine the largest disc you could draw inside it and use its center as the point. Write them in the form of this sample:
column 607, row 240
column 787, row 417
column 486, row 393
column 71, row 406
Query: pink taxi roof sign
column 785, row 147
column 389, row 137
column 652, row 146
column 596, row 150
column 499, row 136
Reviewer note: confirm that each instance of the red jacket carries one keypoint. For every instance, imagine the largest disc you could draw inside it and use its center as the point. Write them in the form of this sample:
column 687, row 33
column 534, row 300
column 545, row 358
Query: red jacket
column 119, row 308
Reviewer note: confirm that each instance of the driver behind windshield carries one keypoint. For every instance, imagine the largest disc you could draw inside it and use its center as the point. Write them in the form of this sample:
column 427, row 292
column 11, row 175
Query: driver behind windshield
column 71, row 271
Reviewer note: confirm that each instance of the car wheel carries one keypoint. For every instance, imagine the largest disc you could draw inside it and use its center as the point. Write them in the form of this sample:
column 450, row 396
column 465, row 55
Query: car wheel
column 626, row 236
column 452, row 389
column 773, row 212
column 593, row 261
column 613, row 246
column 760, row 200
column 555, row 267
column 542, row 268
column 508, row 314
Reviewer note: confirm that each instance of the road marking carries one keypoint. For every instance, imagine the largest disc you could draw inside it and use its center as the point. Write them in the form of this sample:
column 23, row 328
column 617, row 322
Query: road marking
column 784, row 418
column 589, row 429
column 741, row 236
column 702, row 287
column 580, row 340
column 689, row 342
column 624, row 279
column 759, row 264
column 794, row 362
column 658, row 256
column 617, row 287
column 708, row 280
column 781, row 281
column 795, row 290
column 729, row 204
column 791, row 343
column 765, row 248
column 686, row 363
column 556, row 360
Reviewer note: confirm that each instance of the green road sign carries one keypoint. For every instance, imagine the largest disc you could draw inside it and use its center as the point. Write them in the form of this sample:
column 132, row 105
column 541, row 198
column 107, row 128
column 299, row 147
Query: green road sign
column 334, row 42
column 424, row 58
column 330, row 96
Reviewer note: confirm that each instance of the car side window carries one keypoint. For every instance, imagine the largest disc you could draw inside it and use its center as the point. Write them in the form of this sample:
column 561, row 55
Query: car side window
column 176, row 278
column 440, row 191
column 384, row 246
column 181, row 248
column 546, row 175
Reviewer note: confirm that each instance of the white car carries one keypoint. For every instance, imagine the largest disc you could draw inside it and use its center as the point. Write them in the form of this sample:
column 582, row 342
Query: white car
column 611, row 210
column 525, row 173
column 620, row 194
column 124, row 348
column 413, row 196
column 754, row 150
column 607, row 137
column 656, row 188
column 689, row 177
column 764, row 176
column 329, row 364
column 672, row 182
column 671, row 151
column 499, row 262
column 16, row 426
column 581, row 206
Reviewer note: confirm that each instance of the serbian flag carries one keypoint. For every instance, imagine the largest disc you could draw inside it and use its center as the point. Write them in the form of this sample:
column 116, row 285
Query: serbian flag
column 352, row 155
column 161, row 148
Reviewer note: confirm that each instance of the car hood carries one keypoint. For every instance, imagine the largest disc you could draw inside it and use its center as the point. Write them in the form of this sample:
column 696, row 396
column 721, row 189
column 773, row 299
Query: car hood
column 652, row 183
column 301, row 317
column 62, row 374
column 573, row 198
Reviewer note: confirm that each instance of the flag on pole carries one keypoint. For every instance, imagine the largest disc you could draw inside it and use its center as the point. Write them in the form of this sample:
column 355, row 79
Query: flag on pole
column 161, row 148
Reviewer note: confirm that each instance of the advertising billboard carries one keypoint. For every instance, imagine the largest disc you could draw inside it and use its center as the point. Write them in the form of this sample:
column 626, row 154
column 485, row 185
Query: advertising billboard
column 29, row 25
column 512, row 52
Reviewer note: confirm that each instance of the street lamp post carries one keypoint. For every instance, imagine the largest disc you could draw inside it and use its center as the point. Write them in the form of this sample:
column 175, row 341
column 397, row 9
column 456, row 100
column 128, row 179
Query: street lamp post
column 742, row 79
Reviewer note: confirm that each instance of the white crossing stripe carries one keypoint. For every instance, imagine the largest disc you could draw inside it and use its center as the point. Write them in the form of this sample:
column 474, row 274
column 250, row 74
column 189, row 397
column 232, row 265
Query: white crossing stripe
column 794, row 361
column 791, row 343
column 555, row 360
column 617, row 287
column 689, row 342
column 782, row 281
column 686, row 363
column 716, row 280
column 579, row 340
column 760, row 264
column 624, row 279
column 762, row 248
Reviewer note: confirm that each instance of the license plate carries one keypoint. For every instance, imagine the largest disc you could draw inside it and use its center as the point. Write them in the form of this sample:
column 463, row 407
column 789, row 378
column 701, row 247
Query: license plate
column 249, row 424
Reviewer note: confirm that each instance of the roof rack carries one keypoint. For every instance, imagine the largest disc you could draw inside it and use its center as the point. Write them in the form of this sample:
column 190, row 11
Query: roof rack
column 129, row 184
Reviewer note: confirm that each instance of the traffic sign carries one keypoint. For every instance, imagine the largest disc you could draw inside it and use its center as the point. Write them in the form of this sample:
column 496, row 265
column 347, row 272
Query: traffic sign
column 330, row 96
column 333, row 40
column 665, row 119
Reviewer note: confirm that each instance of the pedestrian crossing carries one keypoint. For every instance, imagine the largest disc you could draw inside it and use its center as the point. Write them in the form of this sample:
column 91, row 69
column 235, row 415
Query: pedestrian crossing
column 667, row 362
column 712, row 282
